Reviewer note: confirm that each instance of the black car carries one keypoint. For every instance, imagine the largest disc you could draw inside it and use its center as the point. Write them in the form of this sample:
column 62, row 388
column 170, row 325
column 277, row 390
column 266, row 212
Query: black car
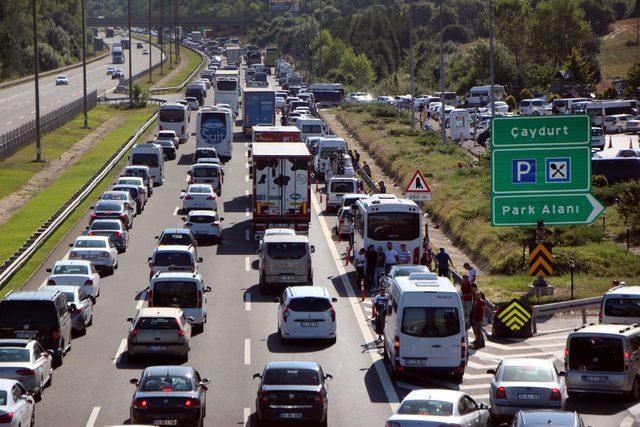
column 291, row 391
column 168, row 149
column 169, row 395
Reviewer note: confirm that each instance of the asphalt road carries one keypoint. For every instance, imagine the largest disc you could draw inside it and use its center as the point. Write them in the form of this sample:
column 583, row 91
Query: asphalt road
column 17, row 103
column 91, row 388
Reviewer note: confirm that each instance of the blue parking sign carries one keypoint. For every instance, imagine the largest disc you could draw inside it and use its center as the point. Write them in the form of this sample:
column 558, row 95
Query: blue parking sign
column 523, row 171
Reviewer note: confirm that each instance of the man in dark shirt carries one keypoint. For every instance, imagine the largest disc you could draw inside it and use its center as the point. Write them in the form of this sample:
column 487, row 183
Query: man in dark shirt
column 443, row 260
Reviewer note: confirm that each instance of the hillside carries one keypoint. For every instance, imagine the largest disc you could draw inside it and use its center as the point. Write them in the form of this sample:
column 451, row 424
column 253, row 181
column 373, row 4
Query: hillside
column 616, row 56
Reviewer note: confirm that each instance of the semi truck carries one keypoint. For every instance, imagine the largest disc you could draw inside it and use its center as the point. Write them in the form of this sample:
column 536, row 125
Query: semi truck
column 259, row 107
column 196, row 36
column 281, row 187
column 276, row 134
column 270, row 56
column 117, row 54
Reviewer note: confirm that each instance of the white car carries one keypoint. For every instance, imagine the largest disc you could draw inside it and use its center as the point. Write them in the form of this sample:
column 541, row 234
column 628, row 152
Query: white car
column 199, row 196
column 80, row 306
column 62, row 80
column 617, row 123
column 275, row 232
column 26, row 361
column 633, row 125
column 97, row 249
column 17, row 408
column 145, row 51
column 204, row 224
column 439, row 407
column 75, row 273
column 306, row 312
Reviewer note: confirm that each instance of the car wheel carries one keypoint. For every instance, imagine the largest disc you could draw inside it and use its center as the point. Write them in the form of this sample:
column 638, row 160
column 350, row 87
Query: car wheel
column 90, row 322
column 619, row 129
column 33, row 417
column 110, row 270
column 57, row 357
column 635, row 390
column 50, row 380
column 37, row 396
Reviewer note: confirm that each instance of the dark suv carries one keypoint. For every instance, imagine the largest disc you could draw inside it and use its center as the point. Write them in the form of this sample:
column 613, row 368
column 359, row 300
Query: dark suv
column 41, row 315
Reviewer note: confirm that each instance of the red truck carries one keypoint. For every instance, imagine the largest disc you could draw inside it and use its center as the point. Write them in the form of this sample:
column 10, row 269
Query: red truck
column 276, row 134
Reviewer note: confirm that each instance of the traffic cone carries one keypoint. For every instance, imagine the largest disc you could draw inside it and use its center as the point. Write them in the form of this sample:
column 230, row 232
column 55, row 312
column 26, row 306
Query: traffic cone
column 362, row 293
column 610, row 144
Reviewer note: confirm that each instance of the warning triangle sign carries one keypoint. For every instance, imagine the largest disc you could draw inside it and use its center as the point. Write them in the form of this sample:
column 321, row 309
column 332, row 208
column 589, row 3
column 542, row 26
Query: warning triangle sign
column 418, row 184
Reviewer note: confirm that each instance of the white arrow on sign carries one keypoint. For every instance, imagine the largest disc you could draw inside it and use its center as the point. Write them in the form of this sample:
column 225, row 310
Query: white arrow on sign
column 597, row 208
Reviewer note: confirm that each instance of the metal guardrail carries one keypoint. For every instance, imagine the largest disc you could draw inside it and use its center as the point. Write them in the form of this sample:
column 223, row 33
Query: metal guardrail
column 29, row 247
column 542, row 310
column 125, row 99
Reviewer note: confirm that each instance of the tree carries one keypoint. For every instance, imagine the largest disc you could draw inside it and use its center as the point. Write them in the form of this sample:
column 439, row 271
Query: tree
column 511, row 19
column 355, row 70
column 610, row 93
column 634, row 76
column 455, row 33
column 629, row 204
column 579, row 67
column 598, row 14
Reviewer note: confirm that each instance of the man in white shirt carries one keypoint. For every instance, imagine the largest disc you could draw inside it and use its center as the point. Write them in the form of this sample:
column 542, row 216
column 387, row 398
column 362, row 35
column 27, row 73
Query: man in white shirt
column 390, row 256
column 404, row 257
column 471, row 272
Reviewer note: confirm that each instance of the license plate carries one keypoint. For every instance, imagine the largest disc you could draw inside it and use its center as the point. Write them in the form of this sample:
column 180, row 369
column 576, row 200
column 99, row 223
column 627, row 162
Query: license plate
column 415, row 362
column 595, row 379
column 286, row 278
column 90, row 256
column 528, row 396
column 309, row 324
column 289, row 415
column 165, row 422
column 26, row 334
column 157, row 348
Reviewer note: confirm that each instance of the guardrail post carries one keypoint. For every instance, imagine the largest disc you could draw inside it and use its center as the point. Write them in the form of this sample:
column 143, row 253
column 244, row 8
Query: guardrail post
column 584, row 316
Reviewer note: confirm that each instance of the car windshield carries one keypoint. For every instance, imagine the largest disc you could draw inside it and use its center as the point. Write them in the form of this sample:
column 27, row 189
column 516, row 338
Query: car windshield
column 527, row 373
column 21, row 312
column 430, row 322
column 106, row 225
column 309, row 304
column 136, row 172
column 286, row 250
column 165, row 143
column 71, row 269
column 205, row 172
column 406, row 270
column 107, row 207
column 175, row 239
column 166, row 259
column 166, row 134
column 114, row 196
column 622, row 307
column 200, row 190
column 129, row 181
column 343, row 187
column 292, row 376
column 385, row 226
column 3, row 398
column 157, row 323
column 172, row 115
column 179, row 294
column 166, row 383
column 133, row 191
column 426, row 407
column 14, row 355
column 226, row 85
column 596, row 354
column 82, row 243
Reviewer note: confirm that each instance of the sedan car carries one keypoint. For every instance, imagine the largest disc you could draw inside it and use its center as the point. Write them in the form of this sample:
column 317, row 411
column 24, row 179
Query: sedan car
column 199, row 196
column 521, row 383
column 112, row 209
column 17, row 407
column 28, row 362
column 117, row 74
column 170, row 135
column 176, row 237
column 439, row 407
column 62, row 80
column 168, row 149
column 204, row 224
column 169, row 395
column 110, row 70
column 97, row 249
column 80, row 307
column 81, row 274
column 159, row 331
column 292, row 390
column 123, row 196
column 547, row 418
column 145, row 51
column 113, row 229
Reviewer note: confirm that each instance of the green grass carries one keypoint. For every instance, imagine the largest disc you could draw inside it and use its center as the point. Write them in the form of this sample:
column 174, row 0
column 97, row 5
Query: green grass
column 615, row 56
column 29, row 217
column 461, row 204
column 17, row 169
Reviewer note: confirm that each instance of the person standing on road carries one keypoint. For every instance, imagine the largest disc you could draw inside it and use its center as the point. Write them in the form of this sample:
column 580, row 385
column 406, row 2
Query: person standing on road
column 478, row 315
column 371, row 257
column 382, row 187
column 404, row 257
column 390, row 257
column 443, row 260
column 380, row 303
column 379, row 267
column 471, row 272
column 366, row 169
column 467, row 299
column 352, row 230
column 360, row 261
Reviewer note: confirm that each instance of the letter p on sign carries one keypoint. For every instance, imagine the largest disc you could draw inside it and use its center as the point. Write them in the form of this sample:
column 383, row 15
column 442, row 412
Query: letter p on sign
column 523, row 171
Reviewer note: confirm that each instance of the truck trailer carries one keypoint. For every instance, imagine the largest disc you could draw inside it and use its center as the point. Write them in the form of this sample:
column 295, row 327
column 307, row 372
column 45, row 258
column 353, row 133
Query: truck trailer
column 258, row 108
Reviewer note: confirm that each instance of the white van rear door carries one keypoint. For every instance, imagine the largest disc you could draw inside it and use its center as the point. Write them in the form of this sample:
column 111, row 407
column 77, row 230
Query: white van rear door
column 446, row 329
column 415, row 346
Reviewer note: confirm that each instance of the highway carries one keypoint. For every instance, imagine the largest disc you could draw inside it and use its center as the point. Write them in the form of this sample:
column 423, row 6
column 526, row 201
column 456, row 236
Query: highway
column 17, row 103
column 92, row 387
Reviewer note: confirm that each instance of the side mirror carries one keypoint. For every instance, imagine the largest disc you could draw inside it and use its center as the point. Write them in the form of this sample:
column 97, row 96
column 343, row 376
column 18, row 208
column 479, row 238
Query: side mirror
column 256, row 376
column 312, row 249
column 221, row 218
column 189, row 172
column 70, row 245
column 334, row 299
column 328, row 377
column 149, row 259
column 200, row 259
column 133, row 381
column 190, row 319
column 491, row 371
column 48, row 270
column 483, row 406
column 92, row 206
column 130, row 319
column 205, row 381
column 207, row 289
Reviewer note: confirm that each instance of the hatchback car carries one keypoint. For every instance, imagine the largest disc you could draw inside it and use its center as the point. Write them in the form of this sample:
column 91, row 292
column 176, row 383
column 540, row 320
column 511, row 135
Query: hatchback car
column 112, row 209
column 168, row 149
column 110, row 70
column 80, row 306
column 17, row 407
column 81, row 274
column 204, row 224
column 169, row 395
column 204, row 152
column 97, row 249
column 292, row 391
column 26, row 361
column 547, row 418
column 439, row 407
column 135, row 193
column 170, row 135
column 159, row 331
column 62, row 81
column 173, row 258
column 617, row 123
column 113, row 229
column 306, row 313
column 199, row 196
column 525, row 383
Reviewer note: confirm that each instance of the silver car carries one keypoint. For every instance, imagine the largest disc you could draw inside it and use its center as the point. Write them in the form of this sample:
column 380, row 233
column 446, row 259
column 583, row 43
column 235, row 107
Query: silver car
column 26, row 361
column 525, row 383
column 112, row 209
column 113, row 229
column 80, row 306
column 16, row 406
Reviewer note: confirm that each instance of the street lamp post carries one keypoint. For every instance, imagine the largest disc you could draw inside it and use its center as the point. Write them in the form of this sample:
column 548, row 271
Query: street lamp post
column 36, row 72
column 150, row 46
column 572, row 267
column 130, row 60
column 413, row 106
column 161, row 36
column 491, row 62
column 84, row 65
column 170, row 33
column 443, row 130
column 176, row 17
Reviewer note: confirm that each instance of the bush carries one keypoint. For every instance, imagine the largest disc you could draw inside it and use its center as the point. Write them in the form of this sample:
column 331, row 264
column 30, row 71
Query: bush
column 553, row 97
column 629, row 203
column 511, row 102
column 599, row 181
column 140, row 96
column 526, row 94
column 610, row 93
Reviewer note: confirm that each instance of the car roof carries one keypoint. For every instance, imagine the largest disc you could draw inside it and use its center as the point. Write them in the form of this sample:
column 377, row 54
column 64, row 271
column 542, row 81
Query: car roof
column 98, row 220
column 548, row 417
column 173, row 248
column 15, row 342
column 6, row 384
column 624, row 290
column 607, row 329
column 159, row 312
column 39, row 295
column 528, row 361
column 185, row 371
column 293, row 364
column 439, row 394
column 308, row 291
column 279, row 231
column 172, row 275
column 277, row 238
column 101, row 238
column 72, row 262
column 200, row 185
column 424, row 282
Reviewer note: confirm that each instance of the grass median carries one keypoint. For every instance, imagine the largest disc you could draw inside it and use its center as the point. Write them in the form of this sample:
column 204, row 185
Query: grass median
column 37, row 210
column 460, row 187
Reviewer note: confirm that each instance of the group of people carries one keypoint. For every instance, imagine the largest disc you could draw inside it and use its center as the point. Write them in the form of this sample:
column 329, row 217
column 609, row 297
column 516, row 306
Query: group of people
column 371, row 264
column 474, row 305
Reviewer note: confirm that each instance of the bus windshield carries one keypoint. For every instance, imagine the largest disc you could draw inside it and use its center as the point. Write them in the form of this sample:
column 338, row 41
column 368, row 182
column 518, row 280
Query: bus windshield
column 171, row 115
column 226, row 85
column 385, row 226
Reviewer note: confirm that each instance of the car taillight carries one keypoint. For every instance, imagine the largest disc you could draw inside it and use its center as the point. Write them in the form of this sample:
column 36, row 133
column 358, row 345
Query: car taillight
column 149, row 298
column 188, row 197
column 396, row 345
column 7, row 417
column 88, row 283
column 192, row 403
column 180, row 332
column 140, row 404
column 55, row 334
column 51, row 282
column 93, row 215
column 122, row 216
column 332, row 312
column 285, row 313
column 262, row 396
column 627, row 355
column 501, row 393
column 416, row 255
column 319, row 400
column 91, row 233
column 211, row 198
column 134, row 332
column 199, row 299
column 566, row 352
column 555, row 394
column 118, row 234
column 188, row 225
column 77, row 310
column 215, row 224
column 25, row 372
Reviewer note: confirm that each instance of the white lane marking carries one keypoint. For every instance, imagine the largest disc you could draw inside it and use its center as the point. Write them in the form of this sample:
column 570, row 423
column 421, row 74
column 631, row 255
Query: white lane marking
column 247, row 263
column 93, row 417
column 247, row 212
column 141, row 301
column 246, row 235
column 175, row 211
column 376, row 358
column 474, row 387
column 247, row 301
column 21, row 117
column 247, row 351
column 246, row 415
column 123, row 344
column 9, row 123
column 246, row 178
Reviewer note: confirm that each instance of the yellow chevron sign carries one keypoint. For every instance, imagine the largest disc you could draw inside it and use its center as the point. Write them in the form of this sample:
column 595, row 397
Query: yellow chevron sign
column 541, row 260
column 515, row 316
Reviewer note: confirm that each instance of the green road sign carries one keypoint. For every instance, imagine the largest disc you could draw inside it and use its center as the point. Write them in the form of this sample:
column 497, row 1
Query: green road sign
column 541, row 171
column 550, row 169
column 541, row 130
column 553, row 209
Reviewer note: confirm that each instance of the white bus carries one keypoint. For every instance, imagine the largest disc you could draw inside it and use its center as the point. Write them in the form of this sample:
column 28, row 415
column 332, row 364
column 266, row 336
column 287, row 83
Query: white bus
column 226, row 90
column 384, row 218
column 175, row 117
column 599, row 109
column 214, row 129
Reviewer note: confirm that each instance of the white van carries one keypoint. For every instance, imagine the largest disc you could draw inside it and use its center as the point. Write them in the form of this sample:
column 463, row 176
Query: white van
column 310, row 126
column 149, row 154
column 532, row 107
column 478, row 96
column 621, row 305
column 180, row 290
column 175, row 117
column 326, row 146
column 214, row 129
column 337, row 187
column 424, row 329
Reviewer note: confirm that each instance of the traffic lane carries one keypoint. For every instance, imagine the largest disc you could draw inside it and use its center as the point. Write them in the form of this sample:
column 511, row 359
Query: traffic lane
column 620, row 141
